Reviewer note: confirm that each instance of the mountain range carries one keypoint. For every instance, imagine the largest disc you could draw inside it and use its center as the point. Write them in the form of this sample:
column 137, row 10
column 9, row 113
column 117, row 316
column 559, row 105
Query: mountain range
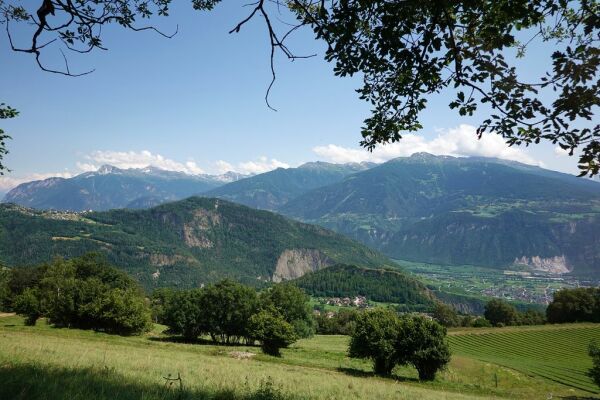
column 436, row 209
column 477, row 211
column 111, row 187
column 274, row 189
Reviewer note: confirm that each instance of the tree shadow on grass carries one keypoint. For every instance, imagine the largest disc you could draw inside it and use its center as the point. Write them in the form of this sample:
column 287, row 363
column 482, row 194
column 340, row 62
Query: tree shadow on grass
column 32, row 382
column 369, row 374
column 356, row 372
column 182, row 340
column 199, row 341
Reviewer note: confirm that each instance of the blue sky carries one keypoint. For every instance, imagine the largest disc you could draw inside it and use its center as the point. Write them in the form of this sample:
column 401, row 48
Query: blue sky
column 195, row 103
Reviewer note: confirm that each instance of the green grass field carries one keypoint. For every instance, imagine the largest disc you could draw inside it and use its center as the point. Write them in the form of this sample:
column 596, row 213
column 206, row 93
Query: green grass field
column 555, row 352
column 46, row 363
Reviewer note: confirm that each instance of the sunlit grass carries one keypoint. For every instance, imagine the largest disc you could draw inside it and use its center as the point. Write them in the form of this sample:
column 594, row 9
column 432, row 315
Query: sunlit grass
column 43, row 363
column 555, row 352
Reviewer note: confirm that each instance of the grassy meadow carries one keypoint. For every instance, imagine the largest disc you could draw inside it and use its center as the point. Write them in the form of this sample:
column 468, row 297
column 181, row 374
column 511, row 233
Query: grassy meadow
column 42, row 362
column 528, row 350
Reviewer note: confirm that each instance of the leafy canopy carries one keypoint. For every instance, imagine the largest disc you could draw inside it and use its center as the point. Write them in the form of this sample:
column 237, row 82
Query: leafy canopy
column 83, row 292
column 272, row 331
column 374, row 338
column 389, row 340
column 409, row 50
column 293, row 305
column 574, row 305
column 594, row 353
column 500, row 313
column 6, row 112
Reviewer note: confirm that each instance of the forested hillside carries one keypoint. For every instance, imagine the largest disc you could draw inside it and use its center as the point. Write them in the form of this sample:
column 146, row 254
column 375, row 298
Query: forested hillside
column 382, row 285
column 185, row 243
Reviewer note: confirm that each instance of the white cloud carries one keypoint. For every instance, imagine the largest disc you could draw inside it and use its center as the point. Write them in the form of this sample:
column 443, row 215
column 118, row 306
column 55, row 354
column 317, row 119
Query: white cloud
column 560, row 152
column 9, row 182
column 86, row 167
column 263, row 164
column 458, row 142
column 141, row 159
column 223, row 167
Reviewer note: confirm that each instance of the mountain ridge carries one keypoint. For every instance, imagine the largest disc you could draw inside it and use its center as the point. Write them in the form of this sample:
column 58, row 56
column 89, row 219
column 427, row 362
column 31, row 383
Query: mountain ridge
column 408, row 206
column 185, row 243
column 273, row 189
column 112, row 187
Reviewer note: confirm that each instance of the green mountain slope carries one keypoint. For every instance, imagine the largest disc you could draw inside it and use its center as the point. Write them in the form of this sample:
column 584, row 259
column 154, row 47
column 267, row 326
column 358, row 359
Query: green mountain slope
column 185, row 243
column 381, row 285
column 464, row 211
column 273, row 189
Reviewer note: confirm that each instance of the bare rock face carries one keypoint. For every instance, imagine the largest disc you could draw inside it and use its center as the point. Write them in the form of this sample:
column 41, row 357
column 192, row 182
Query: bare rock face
column 293, row 263
column 552, row 265
column 195, row 232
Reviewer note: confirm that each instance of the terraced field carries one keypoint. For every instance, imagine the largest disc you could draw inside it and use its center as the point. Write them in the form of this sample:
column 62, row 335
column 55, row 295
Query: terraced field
column 555, row 352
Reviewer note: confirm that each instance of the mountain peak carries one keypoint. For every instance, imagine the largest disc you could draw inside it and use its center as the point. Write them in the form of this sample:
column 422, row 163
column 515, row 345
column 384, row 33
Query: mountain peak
column 231, row 176
column 107, row 169
column 424, row 156
column 314, row 164
column 149, row 169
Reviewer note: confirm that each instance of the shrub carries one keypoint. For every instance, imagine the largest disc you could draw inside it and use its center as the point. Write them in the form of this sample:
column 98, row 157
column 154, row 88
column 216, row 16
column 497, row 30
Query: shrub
column 272, row 331
column 342, row 322
column 222, row 310
column 532, row 317
column 500, row 312
column 594, row 372
column 159, row 303
column 5, row 294
column 121, row 311
column 27, row 304
column 446, row 315
column 480, row 323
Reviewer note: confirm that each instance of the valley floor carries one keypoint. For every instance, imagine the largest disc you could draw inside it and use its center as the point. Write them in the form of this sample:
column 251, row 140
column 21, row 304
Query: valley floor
column 47, row 363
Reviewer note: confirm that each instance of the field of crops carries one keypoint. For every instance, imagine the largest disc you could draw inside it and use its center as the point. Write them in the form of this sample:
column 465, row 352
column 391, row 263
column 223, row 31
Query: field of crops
column 558, row 353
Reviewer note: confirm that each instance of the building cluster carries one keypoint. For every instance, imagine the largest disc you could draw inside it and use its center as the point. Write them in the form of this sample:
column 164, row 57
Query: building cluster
column 358, row 301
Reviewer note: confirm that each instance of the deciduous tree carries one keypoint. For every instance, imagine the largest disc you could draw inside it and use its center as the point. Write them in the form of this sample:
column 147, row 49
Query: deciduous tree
column 374, row 338
column 499, row 312
column 272, row 331
column 423, row 344
column 293, row 304
column 28, row 305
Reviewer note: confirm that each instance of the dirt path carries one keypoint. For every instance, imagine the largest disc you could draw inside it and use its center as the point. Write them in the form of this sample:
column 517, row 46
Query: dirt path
column 3, row 314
